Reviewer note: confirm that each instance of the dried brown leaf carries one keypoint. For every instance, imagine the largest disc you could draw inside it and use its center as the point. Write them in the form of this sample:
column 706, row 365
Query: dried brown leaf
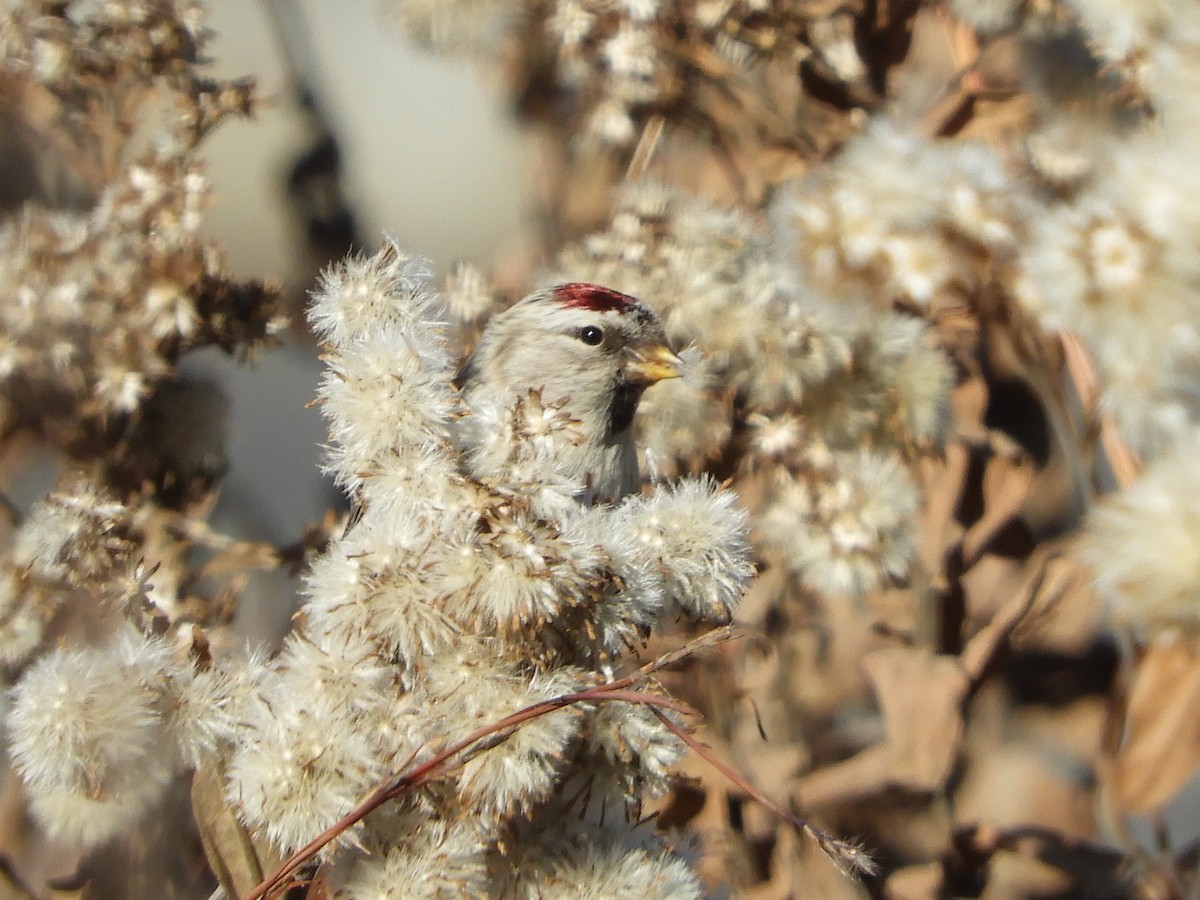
column 1015, row 874
column 1006, row 484
column 1050, row 575
column 1161, row 747
column 1019, row 785
column 865, row 774
column 920, row 695
column 920, row 882
column 237, row 860
column 798, row 870
column 1082, row 369
column 969, row 400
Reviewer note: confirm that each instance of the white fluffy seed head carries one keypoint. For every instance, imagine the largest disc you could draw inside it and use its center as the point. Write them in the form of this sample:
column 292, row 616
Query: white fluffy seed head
column 525, row 769
column 601, row 868
column 518, row 573
column 635, row 751
column 302, row 762
column 387, row 391
column 695, row 535
column 88, row 735
column 361, row 295
column 847, row 529
column 436, row 860
column 388, row 398
column 1143, row 545
column 70, row 535
column 368, row 593
column 206, row 708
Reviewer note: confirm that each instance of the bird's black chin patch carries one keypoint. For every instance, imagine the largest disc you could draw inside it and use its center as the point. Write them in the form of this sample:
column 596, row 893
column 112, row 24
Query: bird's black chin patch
column 624, row 405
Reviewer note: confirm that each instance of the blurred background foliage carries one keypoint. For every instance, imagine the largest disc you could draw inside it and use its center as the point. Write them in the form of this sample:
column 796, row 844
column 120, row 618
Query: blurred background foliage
column 940, row 257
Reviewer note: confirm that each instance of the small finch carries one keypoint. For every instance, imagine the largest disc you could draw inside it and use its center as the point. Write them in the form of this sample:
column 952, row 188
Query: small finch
column 586, row 354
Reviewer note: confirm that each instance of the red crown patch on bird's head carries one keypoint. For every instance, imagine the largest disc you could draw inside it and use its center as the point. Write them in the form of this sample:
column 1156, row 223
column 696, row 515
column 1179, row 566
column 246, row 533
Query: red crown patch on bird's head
column 595, row 297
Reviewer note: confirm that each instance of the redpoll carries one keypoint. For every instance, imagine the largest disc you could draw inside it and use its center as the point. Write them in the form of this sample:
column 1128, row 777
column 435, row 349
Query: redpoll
column 555, row 382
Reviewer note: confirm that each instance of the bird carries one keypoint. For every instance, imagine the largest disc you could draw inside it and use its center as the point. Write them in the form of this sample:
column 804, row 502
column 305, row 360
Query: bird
column 581, row 353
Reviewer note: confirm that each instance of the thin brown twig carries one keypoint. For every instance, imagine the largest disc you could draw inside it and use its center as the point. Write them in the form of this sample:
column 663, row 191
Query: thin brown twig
column 1121, row 457
column 981, row 649
column 643, row 153
column 417, row 775
column 424, row 772
column 847, row 855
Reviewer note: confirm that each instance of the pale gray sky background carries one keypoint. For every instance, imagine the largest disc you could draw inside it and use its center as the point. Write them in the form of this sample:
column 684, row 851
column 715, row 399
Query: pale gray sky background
column 429, row 155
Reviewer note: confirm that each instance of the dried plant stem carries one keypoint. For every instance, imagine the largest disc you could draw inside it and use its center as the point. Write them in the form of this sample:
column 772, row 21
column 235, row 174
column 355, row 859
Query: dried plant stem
column 421, row 773
column 643, row 153
column 846, row 855
column 1125, row 463
column 981, row 649
column 963, row 45
column 415, row 776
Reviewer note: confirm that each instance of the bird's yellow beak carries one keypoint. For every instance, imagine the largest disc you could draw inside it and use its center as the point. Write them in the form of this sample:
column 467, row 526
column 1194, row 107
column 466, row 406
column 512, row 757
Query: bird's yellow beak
column 652, row 364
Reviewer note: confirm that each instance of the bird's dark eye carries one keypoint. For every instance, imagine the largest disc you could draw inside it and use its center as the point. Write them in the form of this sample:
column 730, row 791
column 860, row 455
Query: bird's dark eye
column 591, row 335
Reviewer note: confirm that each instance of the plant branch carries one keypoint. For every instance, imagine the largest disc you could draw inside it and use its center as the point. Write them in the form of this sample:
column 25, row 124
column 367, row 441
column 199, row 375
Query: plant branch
column 417, row 775
column 848, row 856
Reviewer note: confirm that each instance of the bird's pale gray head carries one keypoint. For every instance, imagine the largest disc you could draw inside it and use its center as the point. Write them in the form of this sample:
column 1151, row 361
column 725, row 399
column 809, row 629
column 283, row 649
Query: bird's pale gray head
column 590, row 349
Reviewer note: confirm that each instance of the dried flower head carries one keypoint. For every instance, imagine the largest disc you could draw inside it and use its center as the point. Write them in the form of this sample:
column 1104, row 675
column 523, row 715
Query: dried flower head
column 613, row 66
column 1113, row 264
column 846, row 527
column 88, row 735
column 103, row 290
column 1141, row 545
column 899, row 218
column 452, row 601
